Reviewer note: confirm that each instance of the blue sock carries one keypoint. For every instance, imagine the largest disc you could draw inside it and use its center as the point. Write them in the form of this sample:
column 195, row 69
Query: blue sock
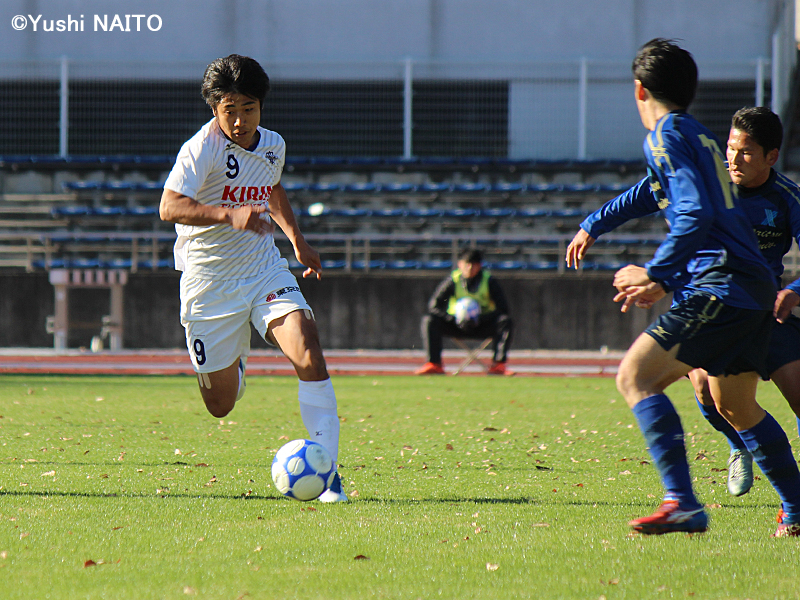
column 798, row 425
column 718, row 422
column 663, row 433
column 770, row 448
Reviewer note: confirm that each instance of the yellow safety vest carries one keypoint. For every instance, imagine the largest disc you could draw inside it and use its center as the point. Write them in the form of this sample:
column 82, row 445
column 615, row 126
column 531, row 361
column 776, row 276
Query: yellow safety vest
column 481, row 294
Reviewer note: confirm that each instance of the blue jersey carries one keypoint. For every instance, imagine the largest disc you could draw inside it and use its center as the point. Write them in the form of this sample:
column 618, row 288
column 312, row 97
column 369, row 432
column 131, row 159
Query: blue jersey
column 774, row 212
column 711, row 245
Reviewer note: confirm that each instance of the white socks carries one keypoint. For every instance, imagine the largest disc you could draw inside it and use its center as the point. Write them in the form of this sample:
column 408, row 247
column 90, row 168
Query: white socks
column 318, row 410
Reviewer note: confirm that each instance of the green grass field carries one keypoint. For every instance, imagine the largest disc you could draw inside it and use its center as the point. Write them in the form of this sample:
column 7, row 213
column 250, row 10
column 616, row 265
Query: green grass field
column 460, row 488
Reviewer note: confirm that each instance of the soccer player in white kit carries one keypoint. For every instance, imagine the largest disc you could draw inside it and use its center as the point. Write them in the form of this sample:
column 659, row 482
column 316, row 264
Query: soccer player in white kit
column 224, row 194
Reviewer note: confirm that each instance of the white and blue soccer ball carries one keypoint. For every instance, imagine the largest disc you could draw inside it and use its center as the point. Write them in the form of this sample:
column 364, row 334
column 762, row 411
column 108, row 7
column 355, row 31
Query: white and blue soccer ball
column 302, row 470
column 467, row 309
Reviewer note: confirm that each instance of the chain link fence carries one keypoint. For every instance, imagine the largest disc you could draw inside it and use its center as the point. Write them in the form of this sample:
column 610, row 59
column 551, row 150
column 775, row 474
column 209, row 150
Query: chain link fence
column 580, row 110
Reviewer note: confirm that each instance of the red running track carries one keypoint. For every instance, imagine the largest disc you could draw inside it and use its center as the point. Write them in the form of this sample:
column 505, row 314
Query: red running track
column 267, row 362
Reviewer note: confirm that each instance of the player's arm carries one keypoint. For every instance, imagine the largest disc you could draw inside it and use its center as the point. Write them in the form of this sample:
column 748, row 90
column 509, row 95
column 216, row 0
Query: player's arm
column 437, row 305
column 281, row 212
column 178, row 208
column 789, row 297
column 636, row 202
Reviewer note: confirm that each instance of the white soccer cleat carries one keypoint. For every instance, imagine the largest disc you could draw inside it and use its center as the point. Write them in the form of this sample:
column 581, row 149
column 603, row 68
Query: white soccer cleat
column 334, row 493
column 242, row 380
column 740, row 473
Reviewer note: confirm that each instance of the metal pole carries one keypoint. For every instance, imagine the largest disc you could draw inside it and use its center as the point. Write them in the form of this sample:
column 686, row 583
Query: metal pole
column 760, row 82
column 407, row 108
column 583, row 91
column 777, row 101
column 63, row 136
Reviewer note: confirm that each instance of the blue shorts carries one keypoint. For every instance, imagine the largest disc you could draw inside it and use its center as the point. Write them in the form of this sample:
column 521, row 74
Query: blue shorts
column 722, row 339
column 784, row 345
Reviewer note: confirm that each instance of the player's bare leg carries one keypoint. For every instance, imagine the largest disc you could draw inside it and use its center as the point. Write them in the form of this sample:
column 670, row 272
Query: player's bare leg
column 297, row 336
column 647, row 369
column 645, row 372
column 220, row 389
column 740, row 461
column 787, row 379
column 735, row 397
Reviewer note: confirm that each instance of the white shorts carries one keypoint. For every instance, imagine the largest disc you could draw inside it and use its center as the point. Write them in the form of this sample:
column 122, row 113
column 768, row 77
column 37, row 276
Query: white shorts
column 216, row 315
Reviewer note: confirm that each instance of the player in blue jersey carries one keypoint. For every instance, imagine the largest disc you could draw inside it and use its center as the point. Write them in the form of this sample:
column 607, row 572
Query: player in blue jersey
column 725, row 295
column 772, row 203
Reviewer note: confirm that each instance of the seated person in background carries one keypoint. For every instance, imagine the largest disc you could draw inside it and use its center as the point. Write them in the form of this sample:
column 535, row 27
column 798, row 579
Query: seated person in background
column 469, row 280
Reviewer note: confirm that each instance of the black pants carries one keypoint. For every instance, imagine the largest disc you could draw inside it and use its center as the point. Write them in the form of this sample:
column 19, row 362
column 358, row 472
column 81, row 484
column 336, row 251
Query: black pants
column 498, row 327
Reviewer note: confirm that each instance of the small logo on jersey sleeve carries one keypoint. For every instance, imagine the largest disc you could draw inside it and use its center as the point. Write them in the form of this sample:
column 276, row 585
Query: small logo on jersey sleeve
column 281, row 292
column 270, row 156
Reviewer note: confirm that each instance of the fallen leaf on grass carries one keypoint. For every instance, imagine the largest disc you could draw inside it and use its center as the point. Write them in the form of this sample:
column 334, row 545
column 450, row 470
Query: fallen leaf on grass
column 354, row 494
column 492, row 566
column 49, row 474
column 89, row 563
column 189, row 591
column 361, row 557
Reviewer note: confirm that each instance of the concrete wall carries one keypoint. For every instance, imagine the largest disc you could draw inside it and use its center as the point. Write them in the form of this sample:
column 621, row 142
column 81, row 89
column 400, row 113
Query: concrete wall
column 339, row 31
column 380, row 311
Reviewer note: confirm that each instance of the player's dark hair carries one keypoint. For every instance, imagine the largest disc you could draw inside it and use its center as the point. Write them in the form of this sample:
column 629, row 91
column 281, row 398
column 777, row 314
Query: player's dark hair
column 761, row 124
column 234, row 74
column 471, row 255
column 667, row 71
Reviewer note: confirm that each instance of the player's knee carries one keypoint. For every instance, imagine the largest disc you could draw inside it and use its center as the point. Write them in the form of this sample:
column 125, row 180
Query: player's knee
column 627, row 382
column 218, row 409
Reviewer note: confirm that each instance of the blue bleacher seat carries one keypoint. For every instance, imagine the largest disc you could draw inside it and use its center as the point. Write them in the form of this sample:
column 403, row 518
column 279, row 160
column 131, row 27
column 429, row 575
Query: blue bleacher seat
column 436, row 264
column 350, row 212
column 333, row 264
column 497, row 212
column 373, row 264
column 324, row 187
column 569, row 212
column 434, row 188
column 397, row 187
column 143, row 211
column 507, row 187
column 361, row 187
column 507, row 265
column 461, row 212
column 533, row 212
column 390, row 212
column 425, row 212
column 295, row 186
column 403, row 264
column 471, row 187
column 70, row 211
column 108, row 211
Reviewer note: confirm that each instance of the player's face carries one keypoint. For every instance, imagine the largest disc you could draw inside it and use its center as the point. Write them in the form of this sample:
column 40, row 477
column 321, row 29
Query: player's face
column 468, row 269
column 238, row 117
column 748, row 165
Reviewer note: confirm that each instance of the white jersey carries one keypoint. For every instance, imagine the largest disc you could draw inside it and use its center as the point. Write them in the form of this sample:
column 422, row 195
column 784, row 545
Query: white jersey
column 215, row 171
